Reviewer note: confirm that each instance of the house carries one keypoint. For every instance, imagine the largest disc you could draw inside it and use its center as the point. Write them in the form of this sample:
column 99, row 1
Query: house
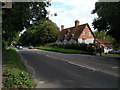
column 78, row 33
column 104, row 44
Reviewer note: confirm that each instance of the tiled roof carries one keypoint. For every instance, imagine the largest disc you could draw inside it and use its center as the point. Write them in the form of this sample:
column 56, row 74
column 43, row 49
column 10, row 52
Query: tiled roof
column 102, row 41
column 73, row 32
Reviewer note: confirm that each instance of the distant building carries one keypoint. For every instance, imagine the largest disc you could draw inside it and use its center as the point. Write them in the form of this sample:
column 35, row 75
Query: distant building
column 78, row 33
column 104, row 44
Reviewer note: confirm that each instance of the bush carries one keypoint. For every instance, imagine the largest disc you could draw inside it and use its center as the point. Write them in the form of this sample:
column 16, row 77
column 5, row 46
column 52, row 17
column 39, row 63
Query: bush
column 76, row 46
column 15, row 75
column 20, row 80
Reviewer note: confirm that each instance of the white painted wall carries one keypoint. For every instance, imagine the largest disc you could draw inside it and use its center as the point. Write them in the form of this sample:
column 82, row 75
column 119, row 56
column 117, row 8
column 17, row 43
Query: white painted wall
column 80, row 40
column 86, row 41
column 90, row 40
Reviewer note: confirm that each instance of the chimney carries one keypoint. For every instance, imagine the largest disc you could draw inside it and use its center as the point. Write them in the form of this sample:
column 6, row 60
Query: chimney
column 77, row 23
column 62, row 27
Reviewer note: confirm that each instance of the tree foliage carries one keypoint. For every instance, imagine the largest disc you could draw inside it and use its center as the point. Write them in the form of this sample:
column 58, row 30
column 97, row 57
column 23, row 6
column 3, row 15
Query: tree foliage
column 42, row 32
column 103, row 35
column 108, row 18
column 19, row 16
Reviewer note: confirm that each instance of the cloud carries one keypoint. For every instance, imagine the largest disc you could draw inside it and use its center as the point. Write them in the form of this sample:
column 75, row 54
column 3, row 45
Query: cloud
column 69, row 11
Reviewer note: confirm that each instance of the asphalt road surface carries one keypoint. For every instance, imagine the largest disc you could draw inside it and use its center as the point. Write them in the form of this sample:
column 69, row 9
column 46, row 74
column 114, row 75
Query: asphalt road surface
column 58, row 70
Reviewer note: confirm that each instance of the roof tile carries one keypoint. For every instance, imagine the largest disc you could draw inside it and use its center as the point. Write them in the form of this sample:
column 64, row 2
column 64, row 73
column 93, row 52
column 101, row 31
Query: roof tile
column 73, row 31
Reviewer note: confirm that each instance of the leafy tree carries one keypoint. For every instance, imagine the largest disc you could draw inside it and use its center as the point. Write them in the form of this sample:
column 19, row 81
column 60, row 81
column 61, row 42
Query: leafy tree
column 42, row 32
column 20, row 15
column 102, row 35
column 108, row 18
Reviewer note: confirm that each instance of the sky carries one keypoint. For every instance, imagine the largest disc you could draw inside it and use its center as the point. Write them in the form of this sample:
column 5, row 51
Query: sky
column 70, row 10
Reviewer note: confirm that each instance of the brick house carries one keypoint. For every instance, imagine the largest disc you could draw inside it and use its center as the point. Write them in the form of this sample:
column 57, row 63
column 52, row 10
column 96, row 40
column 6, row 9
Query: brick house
column 104, row 44
column 78, row 33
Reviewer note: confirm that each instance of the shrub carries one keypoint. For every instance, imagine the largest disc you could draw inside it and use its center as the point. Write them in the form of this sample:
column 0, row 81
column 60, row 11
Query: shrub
column 76, row 46
column 20, row 80
column 14, row 74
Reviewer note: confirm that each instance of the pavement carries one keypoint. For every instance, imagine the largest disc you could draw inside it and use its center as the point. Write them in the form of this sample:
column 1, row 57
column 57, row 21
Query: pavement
column 59, row 70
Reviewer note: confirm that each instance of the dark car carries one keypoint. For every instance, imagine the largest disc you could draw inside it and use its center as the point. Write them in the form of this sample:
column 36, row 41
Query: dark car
column 16, row 45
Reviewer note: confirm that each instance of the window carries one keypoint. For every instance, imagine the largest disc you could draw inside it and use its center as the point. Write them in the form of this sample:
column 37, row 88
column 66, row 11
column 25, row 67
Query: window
column 83, row 40
column 89, row 34
column 83, row 33
column 72, row 36
column 68, row 33
column 65, row 37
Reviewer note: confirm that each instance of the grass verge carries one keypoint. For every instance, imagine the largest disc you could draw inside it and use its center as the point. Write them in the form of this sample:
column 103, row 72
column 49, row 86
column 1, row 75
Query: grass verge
column 14, row 75
column 62, row 50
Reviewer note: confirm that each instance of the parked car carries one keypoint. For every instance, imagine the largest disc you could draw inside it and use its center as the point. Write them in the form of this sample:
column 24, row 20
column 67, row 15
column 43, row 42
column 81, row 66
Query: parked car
column 16, row 45
column 115, row 51
column 20, row 47
column 31, row 47
column 107, row 49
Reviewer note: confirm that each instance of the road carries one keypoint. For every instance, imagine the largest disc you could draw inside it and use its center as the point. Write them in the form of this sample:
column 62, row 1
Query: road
column 59, row 70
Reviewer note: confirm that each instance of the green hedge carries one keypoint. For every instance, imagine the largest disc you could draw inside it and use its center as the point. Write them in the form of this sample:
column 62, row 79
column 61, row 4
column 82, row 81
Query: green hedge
column 62, row 50
column 76, row 46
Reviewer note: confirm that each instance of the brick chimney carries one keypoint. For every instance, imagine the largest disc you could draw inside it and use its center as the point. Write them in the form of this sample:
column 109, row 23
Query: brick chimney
column 62, row 27
column 77, row 23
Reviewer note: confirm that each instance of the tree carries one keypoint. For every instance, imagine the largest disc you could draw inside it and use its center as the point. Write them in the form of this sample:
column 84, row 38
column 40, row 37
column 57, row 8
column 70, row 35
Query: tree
column 42, row 32
column 19, row 16
column 102, row 35
column 108, row 18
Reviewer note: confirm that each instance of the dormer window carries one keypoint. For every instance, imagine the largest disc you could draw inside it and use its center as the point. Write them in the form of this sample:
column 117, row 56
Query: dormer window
column 68, row 33
column 65, row 37
column 72, row 36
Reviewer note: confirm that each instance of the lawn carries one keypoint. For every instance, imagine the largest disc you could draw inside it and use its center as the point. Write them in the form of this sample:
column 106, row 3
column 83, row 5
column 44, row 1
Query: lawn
column 62, row 50
column 15, row 75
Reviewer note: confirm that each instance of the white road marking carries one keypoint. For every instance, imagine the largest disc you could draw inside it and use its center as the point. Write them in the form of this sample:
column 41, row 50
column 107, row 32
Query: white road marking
column 85, row 66
column 114, row 67
column 48, row 55
column 41, row 82
column 91, row 68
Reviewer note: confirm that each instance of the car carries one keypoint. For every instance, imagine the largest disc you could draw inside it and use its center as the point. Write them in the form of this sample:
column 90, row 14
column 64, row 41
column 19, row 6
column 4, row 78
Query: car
column 31, row 47
column 20, row 47
column 16, row 45
column 115, row 51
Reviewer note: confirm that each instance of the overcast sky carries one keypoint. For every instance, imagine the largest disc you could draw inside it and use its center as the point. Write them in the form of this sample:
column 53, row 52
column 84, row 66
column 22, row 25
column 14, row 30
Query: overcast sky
column 70, row 10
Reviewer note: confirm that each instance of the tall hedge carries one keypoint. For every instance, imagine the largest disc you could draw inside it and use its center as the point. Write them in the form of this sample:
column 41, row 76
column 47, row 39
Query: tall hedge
column 77, row 46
